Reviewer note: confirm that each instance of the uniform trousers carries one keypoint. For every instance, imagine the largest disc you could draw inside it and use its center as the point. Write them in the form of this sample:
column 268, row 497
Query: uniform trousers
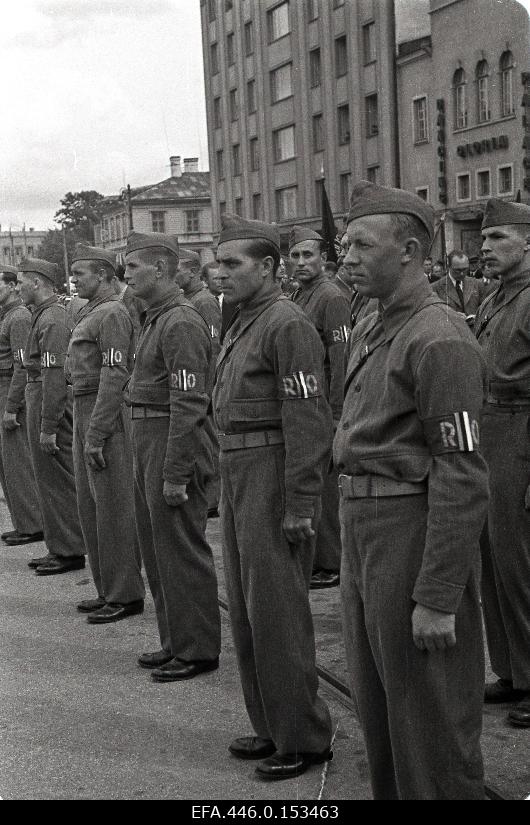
column 105, row 500
column 177, row 558
column 421, row 713
column 213, row 481
column 267, row 584
column 506, row 546
column 16, row 471
column 328, row 546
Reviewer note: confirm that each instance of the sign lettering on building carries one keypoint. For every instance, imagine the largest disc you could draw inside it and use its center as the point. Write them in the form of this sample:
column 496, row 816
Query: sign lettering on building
column 441, row 150
column 479, row 147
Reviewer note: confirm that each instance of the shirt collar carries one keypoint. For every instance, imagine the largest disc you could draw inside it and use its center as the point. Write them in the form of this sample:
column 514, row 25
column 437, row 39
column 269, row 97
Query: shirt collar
column 6, row 309
column 512, row 286
column 49, row 302
column 168, row 302
column 259, row 303
column 313, row 285
column 405, row 306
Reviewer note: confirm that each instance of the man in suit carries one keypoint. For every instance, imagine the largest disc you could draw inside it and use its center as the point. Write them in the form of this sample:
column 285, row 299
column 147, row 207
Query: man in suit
column 457, row 290
column 210, row 276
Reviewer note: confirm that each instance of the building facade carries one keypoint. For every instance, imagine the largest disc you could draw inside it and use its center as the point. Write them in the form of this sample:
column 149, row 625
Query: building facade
column 15, row 245
column 297, row 90
column 180, row 205
column 462, row 124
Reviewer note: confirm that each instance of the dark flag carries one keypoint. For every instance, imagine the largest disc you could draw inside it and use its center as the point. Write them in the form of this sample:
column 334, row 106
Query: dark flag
column 329, row 230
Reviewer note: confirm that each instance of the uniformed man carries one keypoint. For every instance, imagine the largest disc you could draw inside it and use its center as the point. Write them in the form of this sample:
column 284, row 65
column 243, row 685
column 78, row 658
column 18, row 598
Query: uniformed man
column 503, row 330
column 169, row 393
column 329, row 311
column 458, row 290
column 274, row 430
column 16, row 473
column 413, row 501
column 49, row 416
column 100, row 355
column 134, row 307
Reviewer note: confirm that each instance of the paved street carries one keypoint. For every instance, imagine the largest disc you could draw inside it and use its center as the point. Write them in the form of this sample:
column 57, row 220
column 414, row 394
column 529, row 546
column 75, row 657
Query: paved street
column 79, row 719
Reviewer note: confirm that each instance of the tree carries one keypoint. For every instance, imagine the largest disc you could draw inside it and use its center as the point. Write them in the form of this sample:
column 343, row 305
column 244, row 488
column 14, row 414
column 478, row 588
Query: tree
column 79, row 211
column 52, row 249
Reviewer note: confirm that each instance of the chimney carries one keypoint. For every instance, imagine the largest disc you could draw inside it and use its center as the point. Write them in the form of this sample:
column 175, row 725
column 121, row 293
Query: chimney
column 176, row 169
column 191, row 164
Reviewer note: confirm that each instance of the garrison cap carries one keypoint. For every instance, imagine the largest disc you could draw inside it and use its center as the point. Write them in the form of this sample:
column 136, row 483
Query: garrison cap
column 152, row 240
column 303, row 233
column 94, row 253
column 45, row 268
column 371, row 199
column 505, row 213
column 8, row 270
column 189, row 256
column 234, row 228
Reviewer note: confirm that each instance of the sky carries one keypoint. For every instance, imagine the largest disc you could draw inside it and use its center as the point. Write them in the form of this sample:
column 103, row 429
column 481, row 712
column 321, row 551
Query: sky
column 96, row 94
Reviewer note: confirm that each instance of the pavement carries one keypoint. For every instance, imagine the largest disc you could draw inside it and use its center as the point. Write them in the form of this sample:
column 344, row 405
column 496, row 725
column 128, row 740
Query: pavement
column 80, row 720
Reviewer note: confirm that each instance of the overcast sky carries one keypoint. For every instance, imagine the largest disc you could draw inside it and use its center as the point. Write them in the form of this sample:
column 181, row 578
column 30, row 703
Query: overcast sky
column 95, row 94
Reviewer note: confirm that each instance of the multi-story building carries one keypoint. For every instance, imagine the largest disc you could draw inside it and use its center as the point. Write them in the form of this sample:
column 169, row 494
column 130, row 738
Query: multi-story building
column 180, row 205
column 18, row 244
column 461, row 122
column 297, row 91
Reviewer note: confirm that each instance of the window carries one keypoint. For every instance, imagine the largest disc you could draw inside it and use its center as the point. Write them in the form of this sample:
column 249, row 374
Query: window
column 7, row 254
column 420, row 120
column 372, row 116
column 278, row 21
column 214, row 58
column 343, row 119
column 238, row 206
column 251, row 97
column 254, row 154
column 234, row 104
column 31, row 252
column 423, row 193
column 256, row 207
column 345, row 189
column 506, row 68
column 463, row 187
column 286, row 203
column 230, row 51
column 319, row 187
column 312, row 10
column 281, row 82
column 220, row 155
column 249, row 38
column 236, row 159
column 483, row 97
column 158, row 223
column 283, row 142
column 372, row 174
column 314, row 67
column 212, row 11
column 369, row 53
column 460, row 99
column 192, row 221
column 217, row 113
column 341, row 56
column 18, row 252
column 483, row 183
column 222, row 207
column 318, row 136
column 505, row 180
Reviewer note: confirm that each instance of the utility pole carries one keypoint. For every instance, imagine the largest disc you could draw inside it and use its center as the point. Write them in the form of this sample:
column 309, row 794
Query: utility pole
column 65, row 254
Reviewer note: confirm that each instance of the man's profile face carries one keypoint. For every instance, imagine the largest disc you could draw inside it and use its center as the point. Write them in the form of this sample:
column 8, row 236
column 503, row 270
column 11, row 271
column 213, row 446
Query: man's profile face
column 213, row 283
column 86, row 282
column 427, row 266
column 7, row 289
column 241, row 276
column 438, row 271
column 460, row 268
column 504, row 248
column 307, row 261
column 185, row 274
column 142, row 277
column 373, row 257
column 25, row 284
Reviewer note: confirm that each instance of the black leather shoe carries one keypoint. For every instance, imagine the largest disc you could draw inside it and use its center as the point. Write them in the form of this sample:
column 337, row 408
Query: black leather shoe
column 501, row 692
column 252, row 747
column 24, row 538
column 175, row 670
column 9, row 535
column 61, row 564
column 324, row 578
column 290, row 765
column 89, row 605
column 115, row 612
column 150, row 661
column 520, row 714
column 34, row 563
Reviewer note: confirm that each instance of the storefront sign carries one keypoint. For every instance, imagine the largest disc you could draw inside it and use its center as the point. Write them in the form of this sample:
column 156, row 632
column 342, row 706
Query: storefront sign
column 479, row 147
column 441, row 150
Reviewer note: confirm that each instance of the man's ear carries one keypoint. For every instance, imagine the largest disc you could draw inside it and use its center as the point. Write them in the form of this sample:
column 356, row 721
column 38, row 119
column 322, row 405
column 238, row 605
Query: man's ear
column 411, row 250
column 324, row 255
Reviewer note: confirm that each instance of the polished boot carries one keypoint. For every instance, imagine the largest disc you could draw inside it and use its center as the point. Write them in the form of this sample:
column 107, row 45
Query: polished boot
column 115, row 612
column 150, row 661
column 520, row 714
column 252, row 747
column 34, row 563
column 89, row 605
column 176, row 671
column 60, row 564
column 23, row 538
column 291, row 765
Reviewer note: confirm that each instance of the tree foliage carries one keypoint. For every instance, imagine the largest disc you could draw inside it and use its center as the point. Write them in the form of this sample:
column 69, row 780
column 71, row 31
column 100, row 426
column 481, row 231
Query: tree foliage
column 79, row 211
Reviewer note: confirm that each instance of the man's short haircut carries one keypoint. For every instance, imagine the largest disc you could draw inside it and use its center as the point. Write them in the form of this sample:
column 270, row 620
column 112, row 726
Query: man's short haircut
column 152, row 254
column 427, row 258
column 9, row 277
column 97, row 266
column 205, row 269
column 408, row 226
column 260, row 249
column 456, row 253
column 330, row 266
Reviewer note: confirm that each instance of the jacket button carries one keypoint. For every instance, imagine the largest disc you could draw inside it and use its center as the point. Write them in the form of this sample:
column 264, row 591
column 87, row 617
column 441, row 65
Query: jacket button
column 357, row 388
column 346, row 425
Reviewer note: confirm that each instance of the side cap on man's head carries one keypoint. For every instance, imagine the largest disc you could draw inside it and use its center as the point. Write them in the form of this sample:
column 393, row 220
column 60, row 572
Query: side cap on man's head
column 505, row 213
column 40, row 267
column 234, row 228
column 8, row 270
column 151, row 240
column 189, row 256
column 83, row 252
column 303, row 233
column 371, row 199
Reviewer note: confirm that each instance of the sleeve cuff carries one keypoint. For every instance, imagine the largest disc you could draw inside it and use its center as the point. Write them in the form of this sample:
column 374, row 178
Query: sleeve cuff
column 49, row 427
column 438, row 595
column 300, row 506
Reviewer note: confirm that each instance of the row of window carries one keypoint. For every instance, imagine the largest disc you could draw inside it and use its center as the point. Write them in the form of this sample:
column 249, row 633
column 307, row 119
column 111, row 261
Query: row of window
column 483, row 184
column 116, row 228
column 482, row 92
column 19, row 254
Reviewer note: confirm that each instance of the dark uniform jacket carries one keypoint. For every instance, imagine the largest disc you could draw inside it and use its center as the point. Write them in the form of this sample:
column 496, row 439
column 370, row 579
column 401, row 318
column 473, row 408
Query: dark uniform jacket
column 100, row 357
column 44, row 358
column 203, row 300
column 342, row 286
column 503, row 329
column 415, row 387
column 472, row 290
column 173, row 371
column 329, row 311
column 15, row 324
column 270, row 376
column 361, row 307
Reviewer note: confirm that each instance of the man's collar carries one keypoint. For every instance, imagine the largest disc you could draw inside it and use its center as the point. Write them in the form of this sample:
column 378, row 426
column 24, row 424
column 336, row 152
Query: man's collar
column 167, row 302
column 513, row 284
column 7, row 307
column 310, row 288
column 404, row 307
column 259, row 302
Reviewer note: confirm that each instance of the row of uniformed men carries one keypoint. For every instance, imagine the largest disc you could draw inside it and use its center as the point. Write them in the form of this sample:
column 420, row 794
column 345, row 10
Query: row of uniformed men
column 413, row 484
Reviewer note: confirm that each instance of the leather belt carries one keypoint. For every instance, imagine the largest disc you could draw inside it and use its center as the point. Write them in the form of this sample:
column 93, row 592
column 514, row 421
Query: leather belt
column 147, row 412
column 510, row 403
column 246, row 441
column 33, row 380
column 377, row 486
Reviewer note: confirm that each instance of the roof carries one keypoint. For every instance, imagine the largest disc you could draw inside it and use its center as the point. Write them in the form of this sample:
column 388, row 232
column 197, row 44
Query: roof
column 190, row 185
